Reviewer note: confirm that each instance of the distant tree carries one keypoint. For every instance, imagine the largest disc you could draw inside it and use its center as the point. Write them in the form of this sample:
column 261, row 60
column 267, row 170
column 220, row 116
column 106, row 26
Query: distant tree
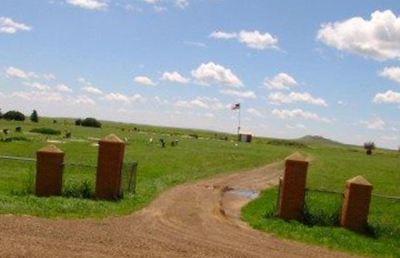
column 369, row 146
column 14, row 115
column 34, row 116
column 78, row 121
column 91, row 122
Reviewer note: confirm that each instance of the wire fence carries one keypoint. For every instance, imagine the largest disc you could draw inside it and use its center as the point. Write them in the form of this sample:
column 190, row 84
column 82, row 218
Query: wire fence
column 79, row 179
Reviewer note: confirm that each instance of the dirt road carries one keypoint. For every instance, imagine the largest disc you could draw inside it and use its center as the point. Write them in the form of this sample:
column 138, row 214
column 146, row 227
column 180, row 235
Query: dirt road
column 193, row 220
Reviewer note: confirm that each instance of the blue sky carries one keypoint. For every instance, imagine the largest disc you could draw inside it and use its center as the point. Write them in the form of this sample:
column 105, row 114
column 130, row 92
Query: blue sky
column 317, row 67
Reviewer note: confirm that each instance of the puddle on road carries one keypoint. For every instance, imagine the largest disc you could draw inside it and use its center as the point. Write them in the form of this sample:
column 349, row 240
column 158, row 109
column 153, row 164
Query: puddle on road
column 247, row 193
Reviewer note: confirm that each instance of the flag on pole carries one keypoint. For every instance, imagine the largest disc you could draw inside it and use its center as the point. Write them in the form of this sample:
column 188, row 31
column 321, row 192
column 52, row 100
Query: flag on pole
column 235, row 106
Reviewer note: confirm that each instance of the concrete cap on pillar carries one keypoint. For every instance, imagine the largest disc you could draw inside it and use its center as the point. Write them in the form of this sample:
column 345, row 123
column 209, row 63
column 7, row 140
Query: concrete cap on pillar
column 112, row 138
column 50, row 149
column 359, row 180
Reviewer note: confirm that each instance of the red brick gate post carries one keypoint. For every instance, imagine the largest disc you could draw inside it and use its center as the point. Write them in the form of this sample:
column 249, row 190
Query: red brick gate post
column 357, row 198
column 109, row 167
column 292, row 192
column 49, row 171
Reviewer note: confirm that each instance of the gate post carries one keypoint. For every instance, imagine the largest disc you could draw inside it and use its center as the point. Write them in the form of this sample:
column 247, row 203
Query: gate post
column 357, row 198
column 292, row 192
column 109, row 168
column 49, row 171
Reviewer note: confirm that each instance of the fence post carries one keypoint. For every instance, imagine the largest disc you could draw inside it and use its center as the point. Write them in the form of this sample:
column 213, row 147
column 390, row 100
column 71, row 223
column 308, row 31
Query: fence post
column 109, row 168
column 355, row 209
column 292, row 192
column 49, row 171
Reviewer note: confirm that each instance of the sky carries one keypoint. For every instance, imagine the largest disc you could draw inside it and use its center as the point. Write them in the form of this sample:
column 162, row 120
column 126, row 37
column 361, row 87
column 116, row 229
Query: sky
column 329, row 68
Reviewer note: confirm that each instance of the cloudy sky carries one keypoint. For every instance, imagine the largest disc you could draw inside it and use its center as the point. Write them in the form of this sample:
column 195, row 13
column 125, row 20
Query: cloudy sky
column 297, row 68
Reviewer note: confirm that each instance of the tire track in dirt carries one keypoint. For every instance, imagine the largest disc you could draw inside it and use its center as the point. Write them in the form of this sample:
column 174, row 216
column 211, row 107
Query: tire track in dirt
column 200, row 219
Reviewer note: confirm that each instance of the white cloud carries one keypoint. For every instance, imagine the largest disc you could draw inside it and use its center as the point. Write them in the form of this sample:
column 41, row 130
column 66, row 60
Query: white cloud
column 254, row 112
column 298, row 113
column 84, row 100
column 8, row 26
column 195, row 43
column 49, row 76
column 92, row 90
column 152, row 1
column 174, row 77
column 182, row 3
column 252, row 39
column 391, row 73
column 41, row 96
column 95, row 5
column 118, row 97
column 296, row 126
column 223, row 35
column 377, row 38
column 281, row 81
column 240, row 94
column 12, row 72
column 201, row 102
column 37, row 86
column 144, row 80
column 281, row 98
column 387, row 97
column 212, row 73
column 375, row 123
column 63, row 88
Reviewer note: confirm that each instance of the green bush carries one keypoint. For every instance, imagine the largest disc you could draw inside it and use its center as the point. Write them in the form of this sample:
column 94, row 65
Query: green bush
column 14, row 115
column 14, row 139
column 91, row 122
column 44, row 130
column 34, row 116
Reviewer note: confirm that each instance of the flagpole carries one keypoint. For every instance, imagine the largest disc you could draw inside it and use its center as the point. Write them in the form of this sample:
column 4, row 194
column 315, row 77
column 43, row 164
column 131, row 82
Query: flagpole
column 238, row 129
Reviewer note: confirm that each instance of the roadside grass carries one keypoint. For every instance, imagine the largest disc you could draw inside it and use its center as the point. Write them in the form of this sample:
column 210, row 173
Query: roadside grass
column 159, row 168
column 330, row 168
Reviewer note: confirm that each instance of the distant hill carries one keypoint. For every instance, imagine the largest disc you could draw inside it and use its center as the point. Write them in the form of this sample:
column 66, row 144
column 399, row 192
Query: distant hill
column 316, row 139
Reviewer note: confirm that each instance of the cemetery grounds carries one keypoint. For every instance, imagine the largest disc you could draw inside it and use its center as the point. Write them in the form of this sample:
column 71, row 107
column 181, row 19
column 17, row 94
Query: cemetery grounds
column 198, row 155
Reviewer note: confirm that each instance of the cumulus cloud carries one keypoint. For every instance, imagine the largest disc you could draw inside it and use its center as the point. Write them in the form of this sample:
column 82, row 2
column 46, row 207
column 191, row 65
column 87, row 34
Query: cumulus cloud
column 387, row 97
column 201, row 102
column 281, row 81
column 95, row 5
column 119, row 97
column 37, row 86
column 63, row 88
column 174, row 77
column 252, row 39
column 211, row 73
column 182, row 3
column 84, row 100
column 298, row 113
column 40, row 96
column 92, row 90
column 391, row 73
column 254, row 112
column 13, row 72
column 377, row 38
column 281, row 98
column 375, row 123
column 9, row 26
column 144, row 80
column 240, row 94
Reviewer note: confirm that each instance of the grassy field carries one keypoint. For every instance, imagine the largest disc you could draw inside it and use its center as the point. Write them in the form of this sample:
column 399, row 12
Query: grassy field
column 158, row 168
column 330, row 168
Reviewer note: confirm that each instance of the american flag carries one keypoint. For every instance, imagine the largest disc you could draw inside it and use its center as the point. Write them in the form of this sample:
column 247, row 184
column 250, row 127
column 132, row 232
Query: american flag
column 235, row 106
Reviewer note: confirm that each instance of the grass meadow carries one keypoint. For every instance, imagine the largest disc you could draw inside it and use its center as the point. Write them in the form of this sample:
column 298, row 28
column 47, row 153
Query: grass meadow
column 158, row 169
column 330, row 168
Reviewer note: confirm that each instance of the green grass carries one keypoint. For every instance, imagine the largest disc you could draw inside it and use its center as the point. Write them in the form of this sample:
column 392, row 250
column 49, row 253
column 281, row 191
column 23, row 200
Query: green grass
column 330, row 168
column 159, row 169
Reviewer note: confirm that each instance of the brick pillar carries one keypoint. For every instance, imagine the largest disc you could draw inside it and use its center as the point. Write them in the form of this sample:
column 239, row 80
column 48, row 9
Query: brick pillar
column 357, row 198
column 109, row 168
column 292, row 192
column 49, row 171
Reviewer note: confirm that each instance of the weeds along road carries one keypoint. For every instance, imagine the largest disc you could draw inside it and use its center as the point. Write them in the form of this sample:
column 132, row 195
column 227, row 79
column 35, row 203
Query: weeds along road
column 200, row 219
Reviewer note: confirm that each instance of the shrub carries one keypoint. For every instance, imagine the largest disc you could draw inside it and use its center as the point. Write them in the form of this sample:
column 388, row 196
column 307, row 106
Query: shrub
column 91, row 122
column 369, row 146
column 34, row 116
column 78, row 122
column 18, row 129
column 14, row 115
column 15, row 139
column 290, row 143
column 44, row 130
